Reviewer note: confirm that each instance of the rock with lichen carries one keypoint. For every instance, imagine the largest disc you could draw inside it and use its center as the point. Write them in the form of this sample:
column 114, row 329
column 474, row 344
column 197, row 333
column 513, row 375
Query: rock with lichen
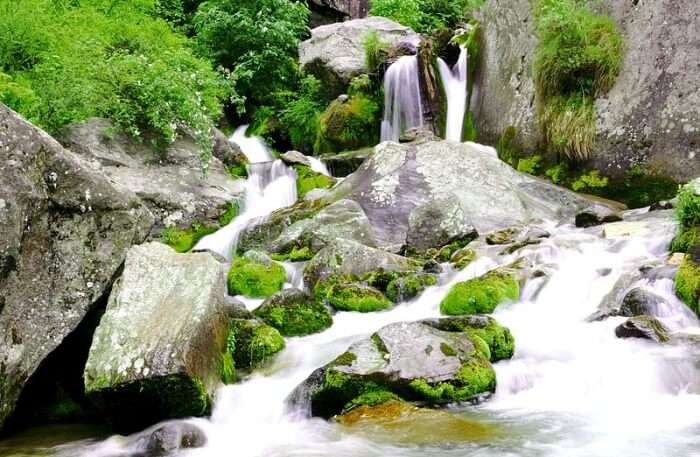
column 160, row 349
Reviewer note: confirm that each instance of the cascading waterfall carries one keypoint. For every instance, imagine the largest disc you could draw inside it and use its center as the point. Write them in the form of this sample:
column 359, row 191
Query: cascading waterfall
column 572, row 389
column 318, row 166
column 271, row 185
column 403, row 107
column 454, row 80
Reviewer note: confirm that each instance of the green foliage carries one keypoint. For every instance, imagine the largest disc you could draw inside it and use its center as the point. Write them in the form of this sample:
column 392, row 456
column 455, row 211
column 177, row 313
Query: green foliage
column 232, row 210
column 253, row 342
column 588, row 181
column 255, row 279
column 308, row 180
column 578, row 58
column 302, row 114
column 183, row 240
column 349, row 124
column 688, row 283
column 481, row 295
column 426, row 16
column 371, row 398
column 688, row 207
column 356, row 297
column 256, row 40
column 73, row 60
column 530, row 165
column 227, row 368
column 376, row 51
column 558, row 173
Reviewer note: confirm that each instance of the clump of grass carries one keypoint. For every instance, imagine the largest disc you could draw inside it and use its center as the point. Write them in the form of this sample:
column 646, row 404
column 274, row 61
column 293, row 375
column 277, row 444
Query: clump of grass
column 578, row 58
column 376, row 51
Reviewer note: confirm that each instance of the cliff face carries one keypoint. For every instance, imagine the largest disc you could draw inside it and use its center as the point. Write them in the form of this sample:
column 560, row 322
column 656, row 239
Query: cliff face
column 650, row 119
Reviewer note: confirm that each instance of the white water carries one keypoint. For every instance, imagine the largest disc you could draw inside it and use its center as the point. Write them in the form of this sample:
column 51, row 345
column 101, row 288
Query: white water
column 318, row 166
column 271, row 185
column 572, row 389
column 403, row 108
column 454, row 80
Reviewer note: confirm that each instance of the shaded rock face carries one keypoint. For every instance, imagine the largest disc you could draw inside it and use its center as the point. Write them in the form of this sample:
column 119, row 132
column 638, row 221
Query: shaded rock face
column 157, row 351
column 172, row 186
column 335, row 52
column 329, row 11
column 466, row 184
column 648, row 119
column 64, row 232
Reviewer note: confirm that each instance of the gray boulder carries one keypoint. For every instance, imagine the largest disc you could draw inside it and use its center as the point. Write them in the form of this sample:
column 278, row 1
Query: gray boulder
column 437, row 223
column 335, row 53
column 398, row 178
column 343, row 219
column 165, row 439
column 645, row 327
column 159, row 350
column 172, row 185
column 346, row 257
column 64, row 232
column 413, row 360
column 639, row 301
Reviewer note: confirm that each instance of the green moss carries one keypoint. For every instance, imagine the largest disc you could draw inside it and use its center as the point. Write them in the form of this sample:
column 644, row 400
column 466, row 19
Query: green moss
column 227, row 368
column 409, row 286
column 481, row 346
column 344, row 359
column 307, row 180
column 447, row 350
column 499, row 340
column 476, row 376
column 507, row 147
column 348, row 125
column 239, row 171
column 685, row 239
column 530, row 165
column 295, row 254
column 255, row 279
column 297, row 317
column 373, row 398
column 481, row 295
column 688, row 283
column 253, row 342
column 589, row 181
column 183, row 240
column 233, row 209
column 356, row 297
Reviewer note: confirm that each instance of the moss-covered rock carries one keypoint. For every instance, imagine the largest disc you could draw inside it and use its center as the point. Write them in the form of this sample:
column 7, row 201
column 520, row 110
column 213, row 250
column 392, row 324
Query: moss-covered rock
column 256, row 276
column 409, row 286
column 414, row 361
column 252, row 342
column 499, row 340
column 462, row 257
column 688, row 282
column 481, row 295
column 308, row 179
column 356, row 297
column 294, row 313
column 348, row 123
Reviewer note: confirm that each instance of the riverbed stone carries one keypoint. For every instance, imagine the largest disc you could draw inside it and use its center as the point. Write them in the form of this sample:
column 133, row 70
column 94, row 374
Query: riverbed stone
column 639, row 302
column 294, row 313
column 412, row 360
column 158, row 351
column 645, row 327
column 481, row 295
column 252, row 342
column 65, row 229
column 166, row 439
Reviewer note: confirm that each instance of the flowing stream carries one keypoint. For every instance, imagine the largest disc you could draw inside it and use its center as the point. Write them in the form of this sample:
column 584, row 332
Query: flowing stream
column 403, row 107
column 572, row 389
column 454, row 80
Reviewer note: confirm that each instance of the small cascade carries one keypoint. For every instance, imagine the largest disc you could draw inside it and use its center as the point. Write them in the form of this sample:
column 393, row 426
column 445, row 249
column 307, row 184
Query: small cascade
column 318, row 166
column 454, row 80
column 403, row 107
column 271, row 185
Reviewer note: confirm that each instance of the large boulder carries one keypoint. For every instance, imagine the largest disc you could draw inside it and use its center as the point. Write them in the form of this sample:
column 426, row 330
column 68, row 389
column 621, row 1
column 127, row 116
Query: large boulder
column 650, row 117
column 335, row 53
column 64, row 232
column 160, row 349
column 171, row 184
column 416, row 361
column 398, row 178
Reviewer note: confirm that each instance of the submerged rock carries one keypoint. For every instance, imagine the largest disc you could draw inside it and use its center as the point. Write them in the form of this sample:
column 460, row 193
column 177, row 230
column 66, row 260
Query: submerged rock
column 166, row 439
column 646, row 327
column 414, row 361
column 65, row 229
column 481, row 295
column 294, row 313
column 158, row 351
column 335, row 53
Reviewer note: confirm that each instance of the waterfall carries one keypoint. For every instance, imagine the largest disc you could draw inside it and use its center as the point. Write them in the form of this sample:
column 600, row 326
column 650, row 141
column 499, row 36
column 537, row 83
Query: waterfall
column 318, row 166
column 271, row 185
column 403, row 108
column 454, row 80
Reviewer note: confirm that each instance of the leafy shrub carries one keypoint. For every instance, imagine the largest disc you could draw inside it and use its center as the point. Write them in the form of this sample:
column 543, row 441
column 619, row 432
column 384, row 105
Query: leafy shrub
column 590, row 180
column 376, row 51
column 425, row 16
column 348, row 125
column 558, row 173
column 302, row 114
column 578, row 58
column 530, row 165
column 688, row 207
column 257, row 40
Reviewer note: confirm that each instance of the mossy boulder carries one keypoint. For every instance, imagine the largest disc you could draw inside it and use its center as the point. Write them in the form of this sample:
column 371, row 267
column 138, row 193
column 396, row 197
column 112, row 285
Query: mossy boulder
column 688, row 280
column 255, row 275
column 414, row 361
column 308, row 179
column 462, row 257
column 252, row 342
column 348, row 123
column 498, row 339
column 356, row 297
column 159, row 351
column 481, row 295
column 294, row 313
column 409, row 286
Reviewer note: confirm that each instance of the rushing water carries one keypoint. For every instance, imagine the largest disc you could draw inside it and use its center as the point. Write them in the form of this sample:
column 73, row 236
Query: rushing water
column 454, row 80
column 403, row 108
column 572, row 389
column 271, row 185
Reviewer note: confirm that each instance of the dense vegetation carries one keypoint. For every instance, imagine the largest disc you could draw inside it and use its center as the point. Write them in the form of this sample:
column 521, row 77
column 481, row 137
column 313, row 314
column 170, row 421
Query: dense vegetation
column 425, row 16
